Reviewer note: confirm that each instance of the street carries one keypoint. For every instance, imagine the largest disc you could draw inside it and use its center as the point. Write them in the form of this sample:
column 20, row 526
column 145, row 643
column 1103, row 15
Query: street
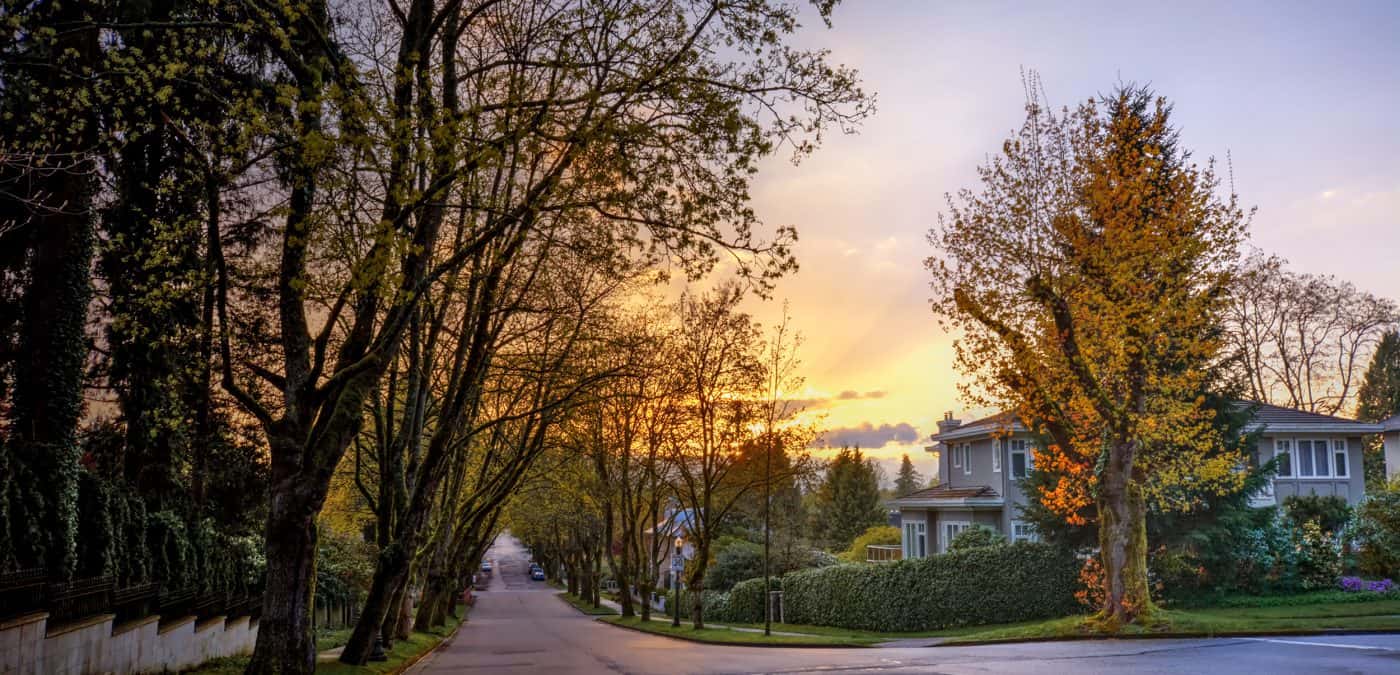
column 518, row 626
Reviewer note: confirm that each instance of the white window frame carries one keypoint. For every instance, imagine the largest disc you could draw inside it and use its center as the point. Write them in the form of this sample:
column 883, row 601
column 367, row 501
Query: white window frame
column 1328, row 469
column 909, row 540
column 951, row 528
column 1028, row 534
column 1024, row 449
column 921, row 538
column 967, row 459
column 1284, row 446
column 996, row 455
column 956, row 452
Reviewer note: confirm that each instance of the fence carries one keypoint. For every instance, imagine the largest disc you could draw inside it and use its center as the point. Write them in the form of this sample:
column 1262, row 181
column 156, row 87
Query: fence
column 29, row 591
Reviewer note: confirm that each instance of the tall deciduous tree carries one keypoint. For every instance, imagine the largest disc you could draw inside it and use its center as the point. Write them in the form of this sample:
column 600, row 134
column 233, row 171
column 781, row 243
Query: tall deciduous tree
column 1301, row 340
column 1087, row 279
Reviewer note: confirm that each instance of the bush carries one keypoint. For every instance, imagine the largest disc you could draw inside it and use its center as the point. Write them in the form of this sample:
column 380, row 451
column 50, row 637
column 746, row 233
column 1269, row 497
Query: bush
column 1377, row 530
column 1319, row 559
column 977, row 536
column 736, row 561
column 997, row 584
column 1329, row 512
column 1357, row 585
column 745, row 601
column 879, row 534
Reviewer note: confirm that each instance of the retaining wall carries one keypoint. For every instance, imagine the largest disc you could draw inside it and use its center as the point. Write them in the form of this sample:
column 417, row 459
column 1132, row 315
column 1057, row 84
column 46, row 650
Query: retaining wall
column 28, row 645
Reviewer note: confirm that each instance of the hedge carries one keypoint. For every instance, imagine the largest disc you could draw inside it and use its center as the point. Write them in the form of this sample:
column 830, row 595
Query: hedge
column 997, row 584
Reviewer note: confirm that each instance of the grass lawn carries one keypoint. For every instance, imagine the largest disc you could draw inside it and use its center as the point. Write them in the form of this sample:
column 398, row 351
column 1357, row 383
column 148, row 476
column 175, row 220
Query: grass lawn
column 587, row 607
column 403, row 653
column 728, row 636
column 1375, row 615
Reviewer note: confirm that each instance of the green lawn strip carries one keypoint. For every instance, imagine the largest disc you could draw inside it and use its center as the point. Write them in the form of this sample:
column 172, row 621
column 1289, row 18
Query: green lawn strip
column 736, row 637
column 403, row 654
column 586, row 606
column 1382, row 615
column 330, row 639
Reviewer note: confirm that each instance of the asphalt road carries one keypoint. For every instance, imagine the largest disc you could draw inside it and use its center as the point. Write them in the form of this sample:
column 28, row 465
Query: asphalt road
column 518, row 626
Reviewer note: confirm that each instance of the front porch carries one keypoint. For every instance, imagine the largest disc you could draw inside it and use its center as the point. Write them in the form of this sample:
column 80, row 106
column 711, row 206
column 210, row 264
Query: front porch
column 932, row 517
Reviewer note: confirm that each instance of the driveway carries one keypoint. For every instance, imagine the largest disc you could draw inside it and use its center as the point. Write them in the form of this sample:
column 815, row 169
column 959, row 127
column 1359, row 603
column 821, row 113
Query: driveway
column 518, row 626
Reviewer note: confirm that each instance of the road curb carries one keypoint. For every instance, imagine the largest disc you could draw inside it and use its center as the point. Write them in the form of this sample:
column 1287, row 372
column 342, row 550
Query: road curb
column 727, row 643
column 951, row 642
column 441, row 643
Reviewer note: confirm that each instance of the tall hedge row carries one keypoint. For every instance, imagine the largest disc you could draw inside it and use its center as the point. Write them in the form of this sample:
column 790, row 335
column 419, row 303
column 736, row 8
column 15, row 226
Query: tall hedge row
column 996, row 584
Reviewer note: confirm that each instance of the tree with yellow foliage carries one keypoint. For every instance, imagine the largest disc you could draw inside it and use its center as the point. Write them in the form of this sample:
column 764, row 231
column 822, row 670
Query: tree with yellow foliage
column 1085, row 281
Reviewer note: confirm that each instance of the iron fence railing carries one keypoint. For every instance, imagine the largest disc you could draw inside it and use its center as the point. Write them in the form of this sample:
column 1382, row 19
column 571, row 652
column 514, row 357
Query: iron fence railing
column 22, row 592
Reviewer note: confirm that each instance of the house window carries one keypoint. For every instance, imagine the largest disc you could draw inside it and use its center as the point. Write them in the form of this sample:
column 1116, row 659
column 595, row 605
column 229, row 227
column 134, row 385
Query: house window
column 1283, row 450
column 1023, row 532
column 950, row 530
column 915, row 540
column 1022, row 461
column 996, row 455
column 967, row 459
column 956, row 451
column 1312, row 458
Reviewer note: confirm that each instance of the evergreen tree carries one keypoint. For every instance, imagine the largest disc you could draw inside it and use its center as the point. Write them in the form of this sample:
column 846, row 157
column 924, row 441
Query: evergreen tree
column 848, row 500
column 908, row 480
column 1378, row 399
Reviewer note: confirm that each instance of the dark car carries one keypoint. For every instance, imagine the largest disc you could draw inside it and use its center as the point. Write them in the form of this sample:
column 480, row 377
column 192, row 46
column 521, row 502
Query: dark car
column 537, row 574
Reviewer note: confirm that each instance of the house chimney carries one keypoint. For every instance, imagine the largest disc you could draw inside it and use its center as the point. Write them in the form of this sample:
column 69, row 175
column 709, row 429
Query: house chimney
column 948, row 423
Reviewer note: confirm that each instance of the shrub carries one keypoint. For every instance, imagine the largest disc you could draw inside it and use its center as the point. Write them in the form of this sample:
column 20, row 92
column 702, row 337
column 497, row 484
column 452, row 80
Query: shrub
column 1331, row 513
column 1377, row 530
column 997, row 584
column 745, row 602
column 1319, row 560
column 735, row 562
column 879, row 534
column 1357, row 585
column 977, row 536
column 1089, row 588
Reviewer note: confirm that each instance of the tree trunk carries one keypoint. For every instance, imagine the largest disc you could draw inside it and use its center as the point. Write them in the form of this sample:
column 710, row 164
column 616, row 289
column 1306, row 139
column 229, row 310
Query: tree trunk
column 1123, row 547
column 285, row 643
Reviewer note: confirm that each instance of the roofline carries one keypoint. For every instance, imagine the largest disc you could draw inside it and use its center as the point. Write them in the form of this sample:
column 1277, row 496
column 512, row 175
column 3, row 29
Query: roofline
column 975, row 431
column 1391, row 424
column 962, row 502
column 1319, row 427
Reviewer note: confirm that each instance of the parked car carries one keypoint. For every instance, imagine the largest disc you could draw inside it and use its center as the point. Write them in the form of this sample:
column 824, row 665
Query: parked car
column 486, row 565
column 537, row 574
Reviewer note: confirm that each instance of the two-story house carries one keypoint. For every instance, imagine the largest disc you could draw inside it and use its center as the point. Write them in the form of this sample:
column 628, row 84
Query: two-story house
column 981, row 464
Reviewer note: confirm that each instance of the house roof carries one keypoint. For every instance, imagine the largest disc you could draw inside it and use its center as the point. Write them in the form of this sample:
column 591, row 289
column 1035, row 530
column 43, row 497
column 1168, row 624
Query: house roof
column 948, row 495
column 1279, row 418
column 1269, row 417
column 1392, row 424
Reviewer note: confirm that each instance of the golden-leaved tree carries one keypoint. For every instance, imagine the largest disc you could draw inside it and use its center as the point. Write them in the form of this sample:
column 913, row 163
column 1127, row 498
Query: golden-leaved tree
column 1085, row 281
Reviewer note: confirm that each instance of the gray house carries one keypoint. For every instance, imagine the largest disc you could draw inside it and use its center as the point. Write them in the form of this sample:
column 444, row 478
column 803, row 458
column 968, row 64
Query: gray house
column 981, row 464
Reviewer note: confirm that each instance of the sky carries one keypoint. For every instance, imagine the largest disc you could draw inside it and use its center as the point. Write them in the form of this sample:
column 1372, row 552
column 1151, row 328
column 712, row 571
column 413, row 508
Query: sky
column 1303, row 98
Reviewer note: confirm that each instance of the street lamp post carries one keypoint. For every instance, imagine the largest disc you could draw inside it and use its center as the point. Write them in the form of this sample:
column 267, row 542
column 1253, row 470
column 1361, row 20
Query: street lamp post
column 677, row 564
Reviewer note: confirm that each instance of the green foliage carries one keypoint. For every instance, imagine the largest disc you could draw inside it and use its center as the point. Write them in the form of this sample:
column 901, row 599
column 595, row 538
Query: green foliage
column 876, row 535
column 986, row 585
column 735, row 561
column 1319, row 558
column 1377, row 530
column 908, row 480
column 848, row 500
column 1331, row 513
column 744, row 602
column 1378, row 399
column 977, row 536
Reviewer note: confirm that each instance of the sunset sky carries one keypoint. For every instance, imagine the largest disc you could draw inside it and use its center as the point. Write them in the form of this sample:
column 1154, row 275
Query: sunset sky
column 1304, row 97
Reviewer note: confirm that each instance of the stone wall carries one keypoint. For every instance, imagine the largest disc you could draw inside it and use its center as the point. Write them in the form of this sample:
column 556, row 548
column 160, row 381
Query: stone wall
column 28, row 645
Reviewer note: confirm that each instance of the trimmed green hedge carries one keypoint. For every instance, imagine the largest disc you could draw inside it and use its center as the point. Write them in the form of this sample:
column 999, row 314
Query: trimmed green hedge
column 997, row 584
